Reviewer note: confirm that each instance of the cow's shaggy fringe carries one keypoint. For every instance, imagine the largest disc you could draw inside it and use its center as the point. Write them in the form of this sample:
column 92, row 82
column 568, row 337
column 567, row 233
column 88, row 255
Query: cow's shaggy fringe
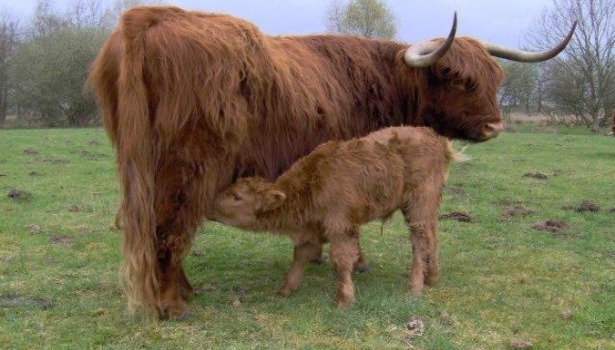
column 193, row 100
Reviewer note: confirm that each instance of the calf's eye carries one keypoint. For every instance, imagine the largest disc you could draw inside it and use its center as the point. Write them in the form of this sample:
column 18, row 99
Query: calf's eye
column 237, row 197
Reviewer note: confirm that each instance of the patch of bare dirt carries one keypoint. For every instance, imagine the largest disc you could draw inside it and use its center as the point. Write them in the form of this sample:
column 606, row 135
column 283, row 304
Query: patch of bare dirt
column 19, row 301
column 536, row 175
column 34, row 173
column 587, row 206
column 608, row 254
column 63, row 241
column 90, row 155
column 517, row 210
column 55, row 161
column 17, row 194
column 34, row 228
column 521, row 344
column 198, row 253
column 74, row 208
column 413, row 330
column 446, row 319
column 552, row 226
column 14, row 193
column 457, row 216
column 30, row 151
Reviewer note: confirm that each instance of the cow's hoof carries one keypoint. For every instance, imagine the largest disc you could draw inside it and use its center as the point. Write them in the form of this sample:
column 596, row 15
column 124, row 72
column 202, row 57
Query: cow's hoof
column 186, row 292
column 176, row 311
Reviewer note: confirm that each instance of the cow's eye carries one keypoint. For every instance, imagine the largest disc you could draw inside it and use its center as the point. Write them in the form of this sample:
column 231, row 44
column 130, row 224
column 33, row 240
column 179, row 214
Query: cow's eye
column 237, row 197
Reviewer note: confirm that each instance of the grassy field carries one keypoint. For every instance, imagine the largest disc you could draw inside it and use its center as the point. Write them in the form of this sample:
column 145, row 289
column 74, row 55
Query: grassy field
column 509, row 278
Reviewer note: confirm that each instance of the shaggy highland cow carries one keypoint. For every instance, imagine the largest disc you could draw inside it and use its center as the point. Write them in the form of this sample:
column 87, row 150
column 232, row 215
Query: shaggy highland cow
column 327, row 195
column 191, row 101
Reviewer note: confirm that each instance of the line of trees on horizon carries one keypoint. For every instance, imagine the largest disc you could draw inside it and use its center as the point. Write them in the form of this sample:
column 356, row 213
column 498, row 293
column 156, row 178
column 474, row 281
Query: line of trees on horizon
column 44, row 60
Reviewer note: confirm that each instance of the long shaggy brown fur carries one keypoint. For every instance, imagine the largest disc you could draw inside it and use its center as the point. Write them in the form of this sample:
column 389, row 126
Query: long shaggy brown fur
column 327, row 195
column 191, row 101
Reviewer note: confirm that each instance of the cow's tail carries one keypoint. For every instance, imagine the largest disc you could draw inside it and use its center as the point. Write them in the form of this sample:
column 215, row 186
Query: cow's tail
column 136, row 165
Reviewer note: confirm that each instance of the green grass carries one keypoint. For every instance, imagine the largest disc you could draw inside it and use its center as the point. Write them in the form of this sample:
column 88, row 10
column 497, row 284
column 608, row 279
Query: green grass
column 501, row 279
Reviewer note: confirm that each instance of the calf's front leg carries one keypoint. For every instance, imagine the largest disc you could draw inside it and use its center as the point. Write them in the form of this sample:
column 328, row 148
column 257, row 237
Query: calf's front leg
column 303, row 254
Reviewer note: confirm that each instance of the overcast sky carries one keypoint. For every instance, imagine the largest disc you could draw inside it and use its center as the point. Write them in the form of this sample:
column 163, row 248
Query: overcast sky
column 500, row 21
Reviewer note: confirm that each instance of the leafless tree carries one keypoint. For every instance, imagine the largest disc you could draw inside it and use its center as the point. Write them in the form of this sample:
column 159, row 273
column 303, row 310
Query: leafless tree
column 518, row 91
column 581, row 81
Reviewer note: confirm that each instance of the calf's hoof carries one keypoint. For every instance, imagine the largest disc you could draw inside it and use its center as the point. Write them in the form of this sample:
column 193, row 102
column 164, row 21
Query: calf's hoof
column 284, row 292
column 319, row 260
column 362, row 267
column 344, row 302
column 430, row 280
column 416, row 288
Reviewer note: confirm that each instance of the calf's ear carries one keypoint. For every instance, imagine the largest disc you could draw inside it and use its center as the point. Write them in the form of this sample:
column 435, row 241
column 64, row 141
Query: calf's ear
column 273, row 199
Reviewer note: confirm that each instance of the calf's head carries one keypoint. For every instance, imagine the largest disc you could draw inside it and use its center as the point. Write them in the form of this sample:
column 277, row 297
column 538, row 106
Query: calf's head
column 458, row 80
column 241, row 203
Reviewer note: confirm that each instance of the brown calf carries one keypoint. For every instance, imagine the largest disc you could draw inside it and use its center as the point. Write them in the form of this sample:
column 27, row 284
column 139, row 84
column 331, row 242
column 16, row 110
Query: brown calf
column 327, row 195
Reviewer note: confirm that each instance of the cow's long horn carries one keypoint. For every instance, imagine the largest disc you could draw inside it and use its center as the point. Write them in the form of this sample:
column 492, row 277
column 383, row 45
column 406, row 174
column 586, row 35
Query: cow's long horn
column 426, row 53
column 526, row 56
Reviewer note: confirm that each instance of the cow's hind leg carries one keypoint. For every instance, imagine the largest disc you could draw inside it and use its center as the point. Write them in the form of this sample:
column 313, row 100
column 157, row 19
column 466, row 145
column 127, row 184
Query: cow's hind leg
column 303, row 254
column 173, row 292
column 179, row 210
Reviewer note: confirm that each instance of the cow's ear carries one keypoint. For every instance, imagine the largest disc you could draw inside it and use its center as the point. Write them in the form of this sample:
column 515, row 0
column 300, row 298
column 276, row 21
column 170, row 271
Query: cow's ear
column 273, row 199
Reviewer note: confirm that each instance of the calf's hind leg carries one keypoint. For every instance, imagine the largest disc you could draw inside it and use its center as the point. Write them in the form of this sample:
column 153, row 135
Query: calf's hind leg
column 345, row 253
column 421, row 217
